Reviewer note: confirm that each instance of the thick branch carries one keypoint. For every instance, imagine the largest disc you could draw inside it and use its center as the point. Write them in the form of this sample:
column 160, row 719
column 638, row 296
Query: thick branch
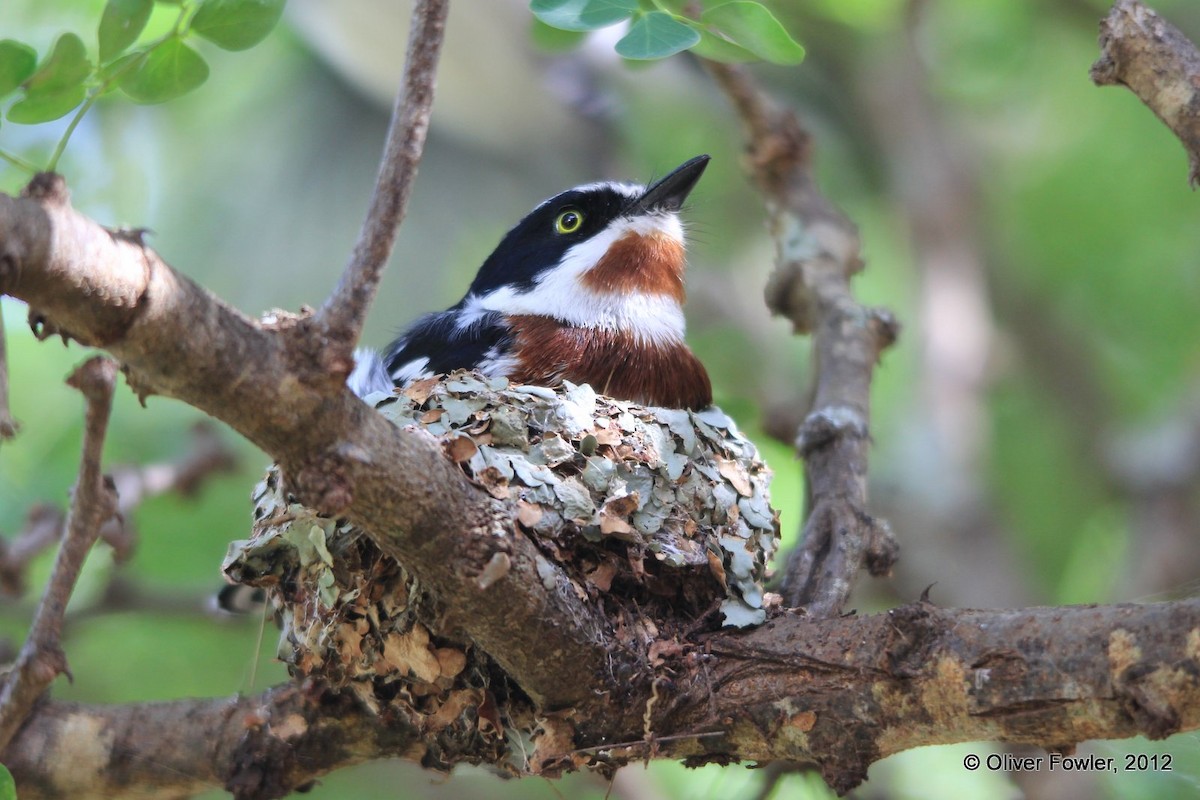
column 840, row 693
column 341, row 319
column 817, row 253
column 845, row 693
column 340, row 456
column 41, row 659
column 264, row 746
column 1148, row 55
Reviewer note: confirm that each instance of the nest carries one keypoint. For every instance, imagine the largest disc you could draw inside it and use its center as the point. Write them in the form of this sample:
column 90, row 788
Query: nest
column 660, row 515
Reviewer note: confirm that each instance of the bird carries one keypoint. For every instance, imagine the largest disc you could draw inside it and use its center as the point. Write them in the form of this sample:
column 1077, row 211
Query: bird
column 588, row 287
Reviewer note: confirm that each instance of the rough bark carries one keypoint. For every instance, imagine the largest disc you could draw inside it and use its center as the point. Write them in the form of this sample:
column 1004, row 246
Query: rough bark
column 1152, row 58
column 838, row 693
column 817, row 254
column 93, row 502
column 176, row 339
column 263, row 746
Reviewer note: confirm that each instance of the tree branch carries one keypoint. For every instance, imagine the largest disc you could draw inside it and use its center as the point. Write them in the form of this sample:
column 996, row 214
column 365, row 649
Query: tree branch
column 1149, row 56
column 856, row 690
column 340, row 456
column 817, row 253
column 133, row 484
column 340, row 320
column 8, row 425
column 263, row 746
column 43, row 527
column 41, row 659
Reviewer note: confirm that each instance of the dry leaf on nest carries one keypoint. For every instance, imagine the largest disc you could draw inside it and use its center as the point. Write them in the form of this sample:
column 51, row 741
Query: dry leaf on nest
column 451, row 661
column 528, row 514
column 489, row 723
column 716, row 567
column 461, row 448
column 735, row 473
column 452, row 708
column 494, row 483
column 419, row 391
column 602, row 576
column 662, row 649
column 553, row 745
column 410, row 653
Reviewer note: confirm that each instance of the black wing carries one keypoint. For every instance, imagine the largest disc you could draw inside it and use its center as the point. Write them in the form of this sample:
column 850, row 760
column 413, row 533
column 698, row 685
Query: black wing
column 436, row 343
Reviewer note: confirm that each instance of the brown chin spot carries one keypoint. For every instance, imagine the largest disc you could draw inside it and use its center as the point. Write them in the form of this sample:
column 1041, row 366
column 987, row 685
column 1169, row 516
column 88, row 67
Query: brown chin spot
column 614, row 363
column 652, row 264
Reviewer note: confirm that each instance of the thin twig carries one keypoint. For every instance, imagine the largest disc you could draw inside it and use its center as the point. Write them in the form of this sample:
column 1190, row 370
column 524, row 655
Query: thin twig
column 43, row 527
column 41, row 659
column 8, row 425
column 340, row 321
column 817, row 253
column 207, row 456
column 1149, row 56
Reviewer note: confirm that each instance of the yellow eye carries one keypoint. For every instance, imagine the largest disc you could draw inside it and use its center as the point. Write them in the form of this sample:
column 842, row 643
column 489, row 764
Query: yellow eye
column 568, row 221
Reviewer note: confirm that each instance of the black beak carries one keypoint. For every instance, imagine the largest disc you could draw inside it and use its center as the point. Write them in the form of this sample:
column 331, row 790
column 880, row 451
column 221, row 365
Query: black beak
column 669, row 192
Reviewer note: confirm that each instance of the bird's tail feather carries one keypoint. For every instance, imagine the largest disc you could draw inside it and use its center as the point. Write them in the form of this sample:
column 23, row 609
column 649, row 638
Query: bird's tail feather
column 369, row 375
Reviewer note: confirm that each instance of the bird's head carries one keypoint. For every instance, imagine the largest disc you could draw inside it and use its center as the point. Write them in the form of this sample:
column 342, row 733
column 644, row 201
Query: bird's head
column 602, row 255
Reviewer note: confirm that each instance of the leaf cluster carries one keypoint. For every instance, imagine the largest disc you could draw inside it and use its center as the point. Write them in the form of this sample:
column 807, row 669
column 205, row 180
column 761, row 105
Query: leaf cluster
column 146, row 70
column 736, row 31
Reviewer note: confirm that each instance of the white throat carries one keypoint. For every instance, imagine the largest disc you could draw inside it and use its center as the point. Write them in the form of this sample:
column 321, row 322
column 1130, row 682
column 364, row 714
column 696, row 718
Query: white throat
column 560, row 293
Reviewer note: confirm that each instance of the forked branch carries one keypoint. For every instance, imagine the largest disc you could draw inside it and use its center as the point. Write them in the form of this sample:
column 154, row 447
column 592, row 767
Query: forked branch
column 41, row 659
column 817, row 253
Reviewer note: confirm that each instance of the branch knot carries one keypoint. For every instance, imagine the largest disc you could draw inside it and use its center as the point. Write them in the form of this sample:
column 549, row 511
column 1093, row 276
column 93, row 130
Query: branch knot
column 826, row 424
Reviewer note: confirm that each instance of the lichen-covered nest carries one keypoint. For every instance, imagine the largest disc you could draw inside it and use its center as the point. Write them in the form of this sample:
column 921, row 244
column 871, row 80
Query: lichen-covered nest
column 657, row 513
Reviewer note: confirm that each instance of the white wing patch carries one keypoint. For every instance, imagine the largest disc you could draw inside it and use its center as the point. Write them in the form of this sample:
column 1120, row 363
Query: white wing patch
column 369, row 374
column 496, row 363
column 412, row 370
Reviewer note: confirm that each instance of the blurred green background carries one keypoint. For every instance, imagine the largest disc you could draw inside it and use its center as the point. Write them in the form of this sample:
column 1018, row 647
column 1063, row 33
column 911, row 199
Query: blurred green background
column 1037, row 428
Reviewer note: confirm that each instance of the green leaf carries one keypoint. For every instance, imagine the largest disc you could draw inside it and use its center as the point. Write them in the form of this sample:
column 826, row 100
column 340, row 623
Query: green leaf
column 582, row 15
column 171, row 69
column 8, row 787
column 46, row 105
column 236, row 24
column 17, row 63
column 656, row 35
column 66, row 67
column 121, row 24
column 753, row 26
column 717, row 48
